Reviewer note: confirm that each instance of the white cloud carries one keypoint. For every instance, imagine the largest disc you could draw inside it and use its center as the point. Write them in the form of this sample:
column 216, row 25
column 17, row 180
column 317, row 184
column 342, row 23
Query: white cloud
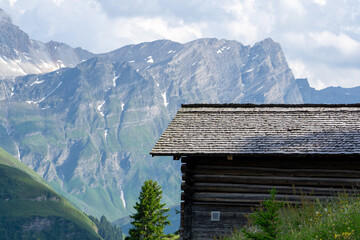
column 320, row 2
column 128, row 29
column 240, row 25
column 12, row 3
column 341, row 41
column 245, row 23
column 58, row 2
column 295, row 38
column 299, row 69
column 294, row 6
column 324, row 76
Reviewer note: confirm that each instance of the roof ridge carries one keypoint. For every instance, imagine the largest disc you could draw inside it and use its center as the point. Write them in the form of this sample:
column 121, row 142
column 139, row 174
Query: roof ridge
column 252, row 105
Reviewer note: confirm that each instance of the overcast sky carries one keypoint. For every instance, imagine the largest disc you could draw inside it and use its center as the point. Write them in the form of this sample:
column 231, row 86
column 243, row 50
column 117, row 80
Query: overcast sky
column 320, row 38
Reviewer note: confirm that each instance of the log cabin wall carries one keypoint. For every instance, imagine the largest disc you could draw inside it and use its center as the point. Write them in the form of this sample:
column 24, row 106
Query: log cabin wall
column 232, row 188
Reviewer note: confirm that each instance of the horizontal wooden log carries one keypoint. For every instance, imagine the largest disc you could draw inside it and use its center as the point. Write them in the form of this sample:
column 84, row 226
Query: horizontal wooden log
column 226, row 214
column 184, row 168
column 297, row 181
column 256, row 188
column 210, row 232
column 214, row 205
column 249, row 198
column 334, row 162
column 204, row 222
column 184, row 159
column 261, row 171
column 207, row 206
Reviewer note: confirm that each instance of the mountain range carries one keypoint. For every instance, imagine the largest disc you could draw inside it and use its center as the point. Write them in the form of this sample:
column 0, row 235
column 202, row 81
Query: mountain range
column 87, row 124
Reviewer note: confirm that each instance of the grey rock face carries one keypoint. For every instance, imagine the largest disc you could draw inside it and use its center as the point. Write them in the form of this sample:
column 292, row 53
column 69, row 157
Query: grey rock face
column 89, row 129
column 20, row 55
column 330, row 95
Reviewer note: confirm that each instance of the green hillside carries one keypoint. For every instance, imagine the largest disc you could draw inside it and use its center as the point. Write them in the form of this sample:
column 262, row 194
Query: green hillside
column 30, row 209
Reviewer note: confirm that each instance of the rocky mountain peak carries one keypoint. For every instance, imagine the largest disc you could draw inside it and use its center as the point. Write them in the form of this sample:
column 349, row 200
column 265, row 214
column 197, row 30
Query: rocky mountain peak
column 12, row 39
column 19, row 55
column 4, row 17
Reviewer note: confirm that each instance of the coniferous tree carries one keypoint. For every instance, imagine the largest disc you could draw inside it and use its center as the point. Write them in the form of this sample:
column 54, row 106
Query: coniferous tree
column 150, row 218
column 106, row 230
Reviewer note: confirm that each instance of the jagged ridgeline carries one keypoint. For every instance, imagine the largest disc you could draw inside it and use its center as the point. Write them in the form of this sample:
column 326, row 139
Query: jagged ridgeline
column 30, row 209
column 88, row 129
column 20, row 55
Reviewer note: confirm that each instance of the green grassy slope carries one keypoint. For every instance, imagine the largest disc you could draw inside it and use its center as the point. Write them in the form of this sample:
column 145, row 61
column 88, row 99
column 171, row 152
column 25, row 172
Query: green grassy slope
column 30, row 209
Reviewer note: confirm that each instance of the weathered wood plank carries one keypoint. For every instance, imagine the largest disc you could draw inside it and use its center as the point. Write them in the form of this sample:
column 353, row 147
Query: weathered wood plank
column 206, row 233
column 261, row 171
column 297, row 181
column 256, row 188
column 225, row 214
column 249, row 198
column 338, row 162
column 210, row 206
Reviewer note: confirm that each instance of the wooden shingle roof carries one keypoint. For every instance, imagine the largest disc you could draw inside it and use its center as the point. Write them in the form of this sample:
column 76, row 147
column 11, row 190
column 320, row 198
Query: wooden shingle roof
column 232, row 129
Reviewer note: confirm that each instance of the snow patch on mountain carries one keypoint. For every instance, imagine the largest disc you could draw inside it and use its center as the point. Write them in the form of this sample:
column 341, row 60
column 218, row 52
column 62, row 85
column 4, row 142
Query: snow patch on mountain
column 106, row 132
column 99, row 108
column 52, row 91
column 114, row 79
column 42, row 99
column 221, row 50
column 37, row 82
column 31, row 102
column 60, row 64
column 149, row 59
column 122, row 198
column 164, row 97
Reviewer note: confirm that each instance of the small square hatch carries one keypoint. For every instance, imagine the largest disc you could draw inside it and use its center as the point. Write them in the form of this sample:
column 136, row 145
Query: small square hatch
column 215, row 216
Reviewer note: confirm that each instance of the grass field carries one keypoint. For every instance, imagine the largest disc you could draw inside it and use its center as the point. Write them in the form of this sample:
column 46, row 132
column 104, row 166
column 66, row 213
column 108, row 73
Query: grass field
column 27, row 202
column 336, row 219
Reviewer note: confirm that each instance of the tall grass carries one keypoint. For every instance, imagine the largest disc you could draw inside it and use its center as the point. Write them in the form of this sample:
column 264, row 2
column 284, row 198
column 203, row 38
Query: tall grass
column 337, row 219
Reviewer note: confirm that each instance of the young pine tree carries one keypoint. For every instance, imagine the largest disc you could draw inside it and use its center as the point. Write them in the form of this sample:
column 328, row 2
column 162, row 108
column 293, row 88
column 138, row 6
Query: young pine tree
column 266, row 219
column 149, row 220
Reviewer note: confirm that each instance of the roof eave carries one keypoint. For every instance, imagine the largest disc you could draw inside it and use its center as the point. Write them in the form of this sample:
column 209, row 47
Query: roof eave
column 259, row 153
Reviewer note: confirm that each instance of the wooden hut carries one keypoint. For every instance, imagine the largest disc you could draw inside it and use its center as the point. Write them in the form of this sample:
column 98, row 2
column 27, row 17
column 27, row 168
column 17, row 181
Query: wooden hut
column 234, row 154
